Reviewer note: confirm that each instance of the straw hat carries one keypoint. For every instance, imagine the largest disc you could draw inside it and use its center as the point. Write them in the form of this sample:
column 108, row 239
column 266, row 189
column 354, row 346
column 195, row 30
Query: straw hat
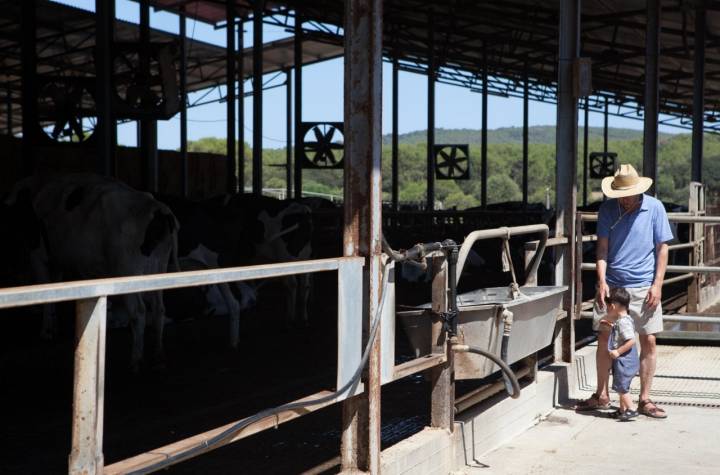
column 626, row 182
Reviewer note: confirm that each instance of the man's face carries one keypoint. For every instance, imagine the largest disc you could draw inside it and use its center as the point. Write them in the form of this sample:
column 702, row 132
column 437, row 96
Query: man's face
column 628, row 202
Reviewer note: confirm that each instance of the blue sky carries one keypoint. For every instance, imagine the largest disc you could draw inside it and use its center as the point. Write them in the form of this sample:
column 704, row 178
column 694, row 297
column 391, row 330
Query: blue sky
column 456, row 107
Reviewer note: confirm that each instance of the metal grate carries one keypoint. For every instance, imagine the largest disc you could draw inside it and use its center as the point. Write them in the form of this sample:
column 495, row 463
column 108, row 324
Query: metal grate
column 685, row 376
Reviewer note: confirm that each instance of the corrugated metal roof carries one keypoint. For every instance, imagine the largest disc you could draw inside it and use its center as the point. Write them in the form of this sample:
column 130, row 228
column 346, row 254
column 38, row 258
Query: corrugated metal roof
column 66, row 41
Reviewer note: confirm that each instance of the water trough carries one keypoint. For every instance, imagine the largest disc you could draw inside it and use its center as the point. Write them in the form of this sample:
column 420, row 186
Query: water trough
column 527, row 313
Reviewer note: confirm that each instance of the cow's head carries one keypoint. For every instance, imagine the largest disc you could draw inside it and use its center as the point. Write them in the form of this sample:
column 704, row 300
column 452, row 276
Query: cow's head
column 287, row 234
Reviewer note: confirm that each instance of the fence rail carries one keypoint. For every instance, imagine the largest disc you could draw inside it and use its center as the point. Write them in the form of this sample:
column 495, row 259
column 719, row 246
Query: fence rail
column 86, row 456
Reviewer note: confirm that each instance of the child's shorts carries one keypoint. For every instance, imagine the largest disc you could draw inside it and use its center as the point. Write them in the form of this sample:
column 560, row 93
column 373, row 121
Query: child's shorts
column 624, row 369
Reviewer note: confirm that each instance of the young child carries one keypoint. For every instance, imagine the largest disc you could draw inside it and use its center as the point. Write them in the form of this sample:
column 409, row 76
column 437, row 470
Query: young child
column 621, row 346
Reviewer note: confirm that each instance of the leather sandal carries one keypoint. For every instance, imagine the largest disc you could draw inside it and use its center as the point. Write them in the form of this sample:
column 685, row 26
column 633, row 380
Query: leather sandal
column 592, row 404
column 653, row 411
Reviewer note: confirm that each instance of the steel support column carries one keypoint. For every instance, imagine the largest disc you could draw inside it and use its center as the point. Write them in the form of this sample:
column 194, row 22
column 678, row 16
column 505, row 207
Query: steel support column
column 258, row 9
column 298, row 104
column 566, row 166
column 104, row 26
column 483, row 131
column 28, row 44
column 230, row 104
column 606, row 127
column 148, row 127
column 698, row 96
column 430, row 204
column 526, row 110
column 241, row 107
column 652, row 91
column 288, row 134
column 183, row 106
column 585, row 151
column 395, row 120
column 363, row 208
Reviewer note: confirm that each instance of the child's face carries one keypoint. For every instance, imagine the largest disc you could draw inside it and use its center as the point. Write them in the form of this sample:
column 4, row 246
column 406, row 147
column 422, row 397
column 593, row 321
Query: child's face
column 614, row 309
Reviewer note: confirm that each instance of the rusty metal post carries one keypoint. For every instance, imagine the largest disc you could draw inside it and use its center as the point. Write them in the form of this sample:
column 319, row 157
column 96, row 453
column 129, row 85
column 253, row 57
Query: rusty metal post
column 147, row 131
column 565, row 171
column 288, row 134
column 652, row 92
column 525, row 141
column 363, row 219
column 442, row 379
column 395, row 120
column 430, row 204
column 241, row 106
column 230, row 80
column 606, row 128
column 104, row 23
column 28, row 86
column 698, row 95
column 298, row 60
column 257, row 172
column 184, row 185
column 585, row 151
column 484, row 127
column 86, row 457
column 696, row 233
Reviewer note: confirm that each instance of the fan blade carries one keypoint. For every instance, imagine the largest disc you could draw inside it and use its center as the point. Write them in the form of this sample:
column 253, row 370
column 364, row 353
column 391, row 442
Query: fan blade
column 59, row 126
column 330, row 134
column 318, row 134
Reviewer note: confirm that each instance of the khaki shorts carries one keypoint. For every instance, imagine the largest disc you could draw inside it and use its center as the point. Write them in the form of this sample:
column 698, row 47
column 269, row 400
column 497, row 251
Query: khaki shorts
column 647, row 321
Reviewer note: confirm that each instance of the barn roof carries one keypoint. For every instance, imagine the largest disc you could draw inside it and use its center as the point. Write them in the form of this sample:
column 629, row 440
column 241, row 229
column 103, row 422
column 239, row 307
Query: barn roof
column 522, row 35
column 66, row 41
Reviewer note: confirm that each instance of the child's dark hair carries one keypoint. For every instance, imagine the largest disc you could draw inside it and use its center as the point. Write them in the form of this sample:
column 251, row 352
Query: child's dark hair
column 619, row 296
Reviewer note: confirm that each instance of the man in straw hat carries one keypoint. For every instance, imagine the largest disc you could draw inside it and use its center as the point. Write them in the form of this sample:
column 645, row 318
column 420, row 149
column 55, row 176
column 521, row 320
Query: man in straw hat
column 633, row 231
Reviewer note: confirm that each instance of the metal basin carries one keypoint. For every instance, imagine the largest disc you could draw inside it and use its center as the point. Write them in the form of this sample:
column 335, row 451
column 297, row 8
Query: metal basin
column 480, row 324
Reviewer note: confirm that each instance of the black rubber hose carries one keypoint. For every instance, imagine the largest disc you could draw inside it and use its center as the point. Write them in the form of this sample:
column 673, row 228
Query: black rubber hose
column 209, row 444
column 503, row 366
column 503, row 356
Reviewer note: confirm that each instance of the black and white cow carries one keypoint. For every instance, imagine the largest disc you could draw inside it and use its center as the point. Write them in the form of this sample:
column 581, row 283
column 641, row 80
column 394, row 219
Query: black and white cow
column 94, row 227
column 241, row 230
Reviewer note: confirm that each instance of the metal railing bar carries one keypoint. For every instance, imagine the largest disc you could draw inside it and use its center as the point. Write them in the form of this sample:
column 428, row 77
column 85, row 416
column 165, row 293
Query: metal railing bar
column 418, row 364
column 675, row 318
column 671, row 268
column 150, row 457
column 85, row 289
column 672, row 217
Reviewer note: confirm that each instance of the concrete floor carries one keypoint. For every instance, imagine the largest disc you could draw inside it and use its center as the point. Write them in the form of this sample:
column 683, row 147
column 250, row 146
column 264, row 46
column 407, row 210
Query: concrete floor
column 566, row 442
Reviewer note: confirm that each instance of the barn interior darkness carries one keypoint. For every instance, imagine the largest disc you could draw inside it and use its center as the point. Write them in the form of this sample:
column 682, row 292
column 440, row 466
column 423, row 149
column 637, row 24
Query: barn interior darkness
column 69, row 76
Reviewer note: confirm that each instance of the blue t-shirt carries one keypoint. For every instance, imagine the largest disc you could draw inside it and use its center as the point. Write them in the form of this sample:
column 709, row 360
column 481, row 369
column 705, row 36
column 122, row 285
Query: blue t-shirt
column 632, row 240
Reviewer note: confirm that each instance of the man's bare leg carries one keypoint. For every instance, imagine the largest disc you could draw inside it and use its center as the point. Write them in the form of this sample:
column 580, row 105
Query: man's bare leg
column 603, row 363
column 648, row 362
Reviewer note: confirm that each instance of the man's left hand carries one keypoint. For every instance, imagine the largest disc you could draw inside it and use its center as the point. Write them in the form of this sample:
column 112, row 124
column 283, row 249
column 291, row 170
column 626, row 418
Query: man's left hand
column 653, row 296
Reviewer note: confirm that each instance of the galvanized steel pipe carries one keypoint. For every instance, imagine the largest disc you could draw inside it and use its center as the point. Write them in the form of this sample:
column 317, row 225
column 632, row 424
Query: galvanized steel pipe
column 504, row 232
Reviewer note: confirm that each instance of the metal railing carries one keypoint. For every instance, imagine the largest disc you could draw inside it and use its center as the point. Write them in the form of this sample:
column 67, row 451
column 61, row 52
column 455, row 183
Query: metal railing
column 86, row 456
column 687, row 272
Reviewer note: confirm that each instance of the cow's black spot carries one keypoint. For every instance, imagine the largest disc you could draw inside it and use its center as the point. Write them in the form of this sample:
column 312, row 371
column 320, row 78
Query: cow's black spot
column 74, row 198
column 160, row 226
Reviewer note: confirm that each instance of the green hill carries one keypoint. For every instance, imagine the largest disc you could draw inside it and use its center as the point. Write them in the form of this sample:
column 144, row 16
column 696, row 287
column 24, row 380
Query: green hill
column 538, row 134
column 504, row 166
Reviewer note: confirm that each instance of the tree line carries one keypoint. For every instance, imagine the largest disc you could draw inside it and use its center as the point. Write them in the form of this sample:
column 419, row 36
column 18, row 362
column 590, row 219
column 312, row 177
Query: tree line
column 504, row 166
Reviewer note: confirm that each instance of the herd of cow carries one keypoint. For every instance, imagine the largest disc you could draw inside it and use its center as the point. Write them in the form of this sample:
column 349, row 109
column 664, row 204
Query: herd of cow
column 85, row 226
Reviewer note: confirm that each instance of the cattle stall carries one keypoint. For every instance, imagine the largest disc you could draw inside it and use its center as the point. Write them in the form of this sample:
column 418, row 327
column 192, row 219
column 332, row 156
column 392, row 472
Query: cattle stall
column 162, row 312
